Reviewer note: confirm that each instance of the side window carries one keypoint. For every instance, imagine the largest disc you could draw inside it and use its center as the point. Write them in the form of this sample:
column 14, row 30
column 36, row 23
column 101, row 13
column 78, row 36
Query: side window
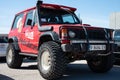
column 29, row 19
column 17, row 21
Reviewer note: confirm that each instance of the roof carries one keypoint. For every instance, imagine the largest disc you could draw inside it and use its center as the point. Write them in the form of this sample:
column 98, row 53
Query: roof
column 52, row 6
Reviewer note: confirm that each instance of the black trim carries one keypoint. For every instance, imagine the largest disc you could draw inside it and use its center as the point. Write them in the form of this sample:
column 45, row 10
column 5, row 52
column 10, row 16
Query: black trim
column 39, row 2
column 54, row 35
column 28, row 54
column 15, row 42
column 86, row 33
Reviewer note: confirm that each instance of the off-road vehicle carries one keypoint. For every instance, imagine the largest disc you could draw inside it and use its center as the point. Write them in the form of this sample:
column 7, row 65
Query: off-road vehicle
column 55, row 36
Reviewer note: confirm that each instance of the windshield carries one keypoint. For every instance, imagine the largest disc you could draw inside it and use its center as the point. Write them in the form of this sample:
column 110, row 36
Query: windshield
column 54, row 16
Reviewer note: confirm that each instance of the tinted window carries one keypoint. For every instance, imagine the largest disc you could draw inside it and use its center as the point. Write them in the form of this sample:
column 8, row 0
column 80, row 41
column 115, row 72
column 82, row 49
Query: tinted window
column 58, row 16
column 17, row 21
column 29, row 19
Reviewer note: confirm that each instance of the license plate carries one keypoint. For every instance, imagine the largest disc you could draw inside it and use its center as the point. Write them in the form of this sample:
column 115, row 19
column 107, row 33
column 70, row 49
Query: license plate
column 97, row 47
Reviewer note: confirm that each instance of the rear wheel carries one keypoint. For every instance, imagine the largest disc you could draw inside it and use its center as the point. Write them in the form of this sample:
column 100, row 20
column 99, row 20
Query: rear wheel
column 101, row 64
column 14, row 60
column 51, row 61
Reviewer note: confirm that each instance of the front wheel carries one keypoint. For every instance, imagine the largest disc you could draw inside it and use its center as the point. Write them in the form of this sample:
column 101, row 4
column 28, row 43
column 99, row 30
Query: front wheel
column 51, row 61
column 101, row 64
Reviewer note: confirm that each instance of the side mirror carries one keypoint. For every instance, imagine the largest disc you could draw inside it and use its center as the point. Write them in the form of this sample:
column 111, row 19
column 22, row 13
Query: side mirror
column 29, row 22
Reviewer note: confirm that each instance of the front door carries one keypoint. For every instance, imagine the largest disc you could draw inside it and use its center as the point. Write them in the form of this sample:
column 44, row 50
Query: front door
column 30, row 34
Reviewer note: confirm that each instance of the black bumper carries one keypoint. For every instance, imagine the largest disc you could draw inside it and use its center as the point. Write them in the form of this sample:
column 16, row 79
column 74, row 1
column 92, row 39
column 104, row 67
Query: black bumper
column 83, row 46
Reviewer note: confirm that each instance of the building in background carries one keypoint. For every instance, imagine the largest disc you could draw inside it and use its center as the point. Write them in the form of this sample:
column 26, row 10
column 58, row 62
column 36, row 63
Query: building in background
column 114, row 22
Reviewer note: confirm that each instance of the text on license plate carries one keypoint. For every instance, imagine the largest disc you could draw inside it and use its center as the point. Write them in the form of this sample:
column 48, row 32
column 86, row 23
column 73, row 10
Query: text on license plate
column 97, row 47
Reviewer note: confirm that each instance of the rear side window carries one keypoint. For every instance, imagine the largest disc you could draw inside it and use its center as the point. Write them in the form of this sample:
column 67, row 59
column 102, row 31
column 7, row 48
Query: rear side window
column 17, row 21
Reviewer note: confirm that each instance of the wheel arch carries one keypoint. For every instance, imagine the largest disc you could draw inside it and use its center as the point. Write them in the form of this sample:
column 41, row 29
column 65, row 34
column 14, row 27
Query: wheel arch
column 48, row 36
column 15, row 41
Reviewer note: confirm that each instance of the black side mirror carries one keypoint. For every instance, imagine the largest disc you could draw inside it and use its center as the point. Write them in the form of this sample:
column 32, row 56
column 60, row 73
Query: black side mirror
column 29, row 22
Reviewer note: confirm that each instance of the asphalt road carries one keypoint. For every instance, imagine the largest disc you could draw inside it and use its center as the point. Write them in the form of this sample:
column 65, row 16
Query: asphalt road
column 75, row 71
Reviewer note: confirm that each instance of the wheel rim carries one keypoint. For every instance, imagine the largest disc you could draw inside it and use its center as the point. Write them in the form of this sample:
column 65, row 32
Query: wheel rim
column 46, row 60
column 9, row 57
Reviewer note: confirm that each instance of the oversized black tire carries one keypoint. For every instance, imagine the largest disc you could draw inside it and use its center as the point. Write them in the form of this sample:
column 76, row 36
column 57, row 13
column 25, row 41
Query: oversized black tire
column 13, row 59
column 101, row 64
column 51, row 61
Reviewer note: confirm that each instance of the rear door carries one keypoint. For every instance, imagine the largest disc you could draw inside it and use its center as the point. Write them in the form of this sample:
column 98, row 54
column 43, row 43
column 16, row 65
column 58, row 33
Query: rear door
column 17, row 27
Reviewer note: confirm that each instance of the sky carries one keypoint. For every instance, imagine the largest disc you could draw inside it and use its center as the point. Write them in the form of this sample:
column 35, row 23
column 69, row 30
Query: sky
column 94, row 12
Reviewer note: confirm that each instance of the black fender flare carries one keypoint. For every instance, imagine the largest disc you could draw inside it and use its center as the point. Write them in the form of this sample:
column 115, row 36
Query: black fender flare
column 53, row 35
column 14, row 40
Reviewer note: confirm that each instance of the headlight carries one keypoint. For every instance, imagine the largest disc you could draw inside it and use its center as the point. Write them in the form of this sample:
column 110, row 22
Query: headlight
column 71, row 34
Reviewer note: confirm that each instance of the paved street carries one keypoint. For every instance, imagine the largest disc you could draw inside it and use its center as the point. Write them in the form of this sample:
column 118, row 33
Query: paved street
column 75, row 71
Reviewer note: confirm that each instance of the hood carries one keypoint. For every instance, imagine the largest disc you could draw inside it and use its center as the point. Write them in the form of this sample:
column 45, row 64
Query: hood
column 85, row 31
column 74, row 26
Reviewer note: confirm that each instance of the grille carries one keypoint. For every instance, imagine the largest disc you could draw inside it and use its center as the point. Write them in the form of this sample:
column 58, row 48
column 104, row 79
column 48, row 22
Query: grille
column 92, row 34
column 96, row 34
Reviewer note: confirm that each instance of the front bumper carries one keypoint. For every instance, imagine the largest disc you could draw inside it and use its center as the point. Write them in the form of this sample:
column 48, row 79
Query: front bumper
column 77, row 46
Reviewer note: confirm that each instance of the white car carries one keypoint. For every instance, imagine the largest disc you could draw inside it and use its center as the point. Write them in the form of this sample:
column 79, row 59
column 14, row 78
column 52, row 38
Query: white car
column 3, row 45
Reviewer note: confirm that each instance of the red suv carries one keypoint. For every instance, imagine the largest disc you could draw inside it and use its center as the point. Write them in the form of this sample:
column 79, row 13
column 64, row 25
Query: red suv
column 55, row 37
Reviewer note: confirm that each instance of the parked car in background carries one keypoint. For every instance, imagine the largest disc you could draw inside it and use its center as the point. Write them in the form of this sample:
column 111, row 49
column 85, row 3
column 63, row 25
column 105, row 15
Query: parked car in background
column 3, row 45
column 117, row 46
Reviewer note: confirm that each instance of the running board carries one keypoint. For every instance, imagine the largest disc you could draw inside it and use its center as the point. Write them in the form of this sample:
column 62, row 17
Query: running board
column 28, row 54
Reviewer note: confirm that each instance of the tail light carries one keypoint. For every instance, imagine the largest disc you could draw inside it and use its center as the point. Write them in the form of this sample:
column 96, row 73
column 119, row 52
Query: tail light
column 64, row 36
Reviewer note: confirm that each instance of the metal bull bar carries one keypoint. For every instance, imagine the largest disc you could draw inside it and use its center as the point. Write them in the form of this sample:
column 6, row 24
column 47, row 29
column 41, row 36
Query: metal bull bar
column 108, row 41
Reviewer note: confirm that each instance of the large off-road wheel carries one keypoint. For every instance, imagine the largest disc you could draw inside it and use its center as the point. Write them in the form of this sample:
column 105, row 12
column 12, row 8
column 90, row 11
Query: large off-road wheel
column 51, row 61
column 14, row 60
column 101, row 64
